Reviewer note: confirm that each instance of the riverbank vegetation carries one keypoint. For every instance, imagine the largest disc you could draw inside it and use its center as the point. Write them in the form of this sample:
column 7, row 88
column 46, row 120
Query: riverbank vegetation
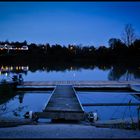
column 125, row 50
column 117, row 51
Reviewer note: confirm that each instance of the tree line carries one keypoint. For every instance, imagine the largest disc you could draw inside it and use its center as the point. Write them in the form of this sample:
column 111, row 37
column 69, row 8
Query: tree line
column 127, row 50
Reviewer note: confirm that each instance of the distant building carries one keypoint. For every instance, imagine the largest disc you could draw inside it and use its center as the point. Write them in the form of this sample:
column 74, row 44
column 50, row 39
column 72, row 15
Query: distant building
column 6, row 46
column 24, row 48
column 9, row 47
column 1, row 47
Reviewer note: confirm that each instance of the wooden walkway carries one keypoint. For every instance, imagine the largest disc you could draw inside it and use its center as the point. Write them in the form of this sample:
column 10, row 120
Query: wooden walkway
column 111, row 104
column 79, row 85
column 63, row 104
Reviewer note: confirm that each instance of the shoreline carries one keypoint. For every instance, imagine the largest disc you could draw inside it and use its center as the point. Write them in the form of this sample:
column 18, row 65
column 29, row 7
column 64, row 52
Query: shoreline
column 66, row 131
column 116, row 123
column 26, row 128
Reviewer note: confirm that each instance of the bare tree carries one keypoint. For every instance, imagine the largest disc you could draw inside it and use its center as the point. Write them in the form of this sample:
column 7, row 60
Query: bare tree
column 128, row 35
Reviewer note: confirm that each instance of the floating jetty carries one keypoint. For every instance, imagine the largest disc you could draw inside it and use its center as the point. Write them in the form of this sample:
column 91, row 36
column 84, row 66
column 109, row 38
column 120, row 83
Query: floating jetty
column 82, row 85
column 63, row 104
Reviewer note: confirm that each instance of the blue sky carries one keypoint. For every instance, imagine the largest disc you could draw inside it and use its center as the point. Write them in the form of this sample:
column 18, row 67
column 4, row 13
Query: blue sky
column 87, row 23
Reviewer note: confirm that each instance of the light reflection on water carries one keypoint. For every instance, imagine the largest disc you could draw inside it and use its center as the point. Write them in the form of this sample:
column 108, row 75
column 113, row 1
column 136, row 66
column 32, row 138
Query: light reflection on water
column 36, row 101
column 59, row 73
column 66, row 75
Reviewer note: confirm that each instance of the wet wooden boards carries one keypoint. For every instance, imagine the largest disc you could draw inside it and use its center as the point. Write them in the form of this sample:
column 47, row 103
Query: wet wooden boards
column 63, row 104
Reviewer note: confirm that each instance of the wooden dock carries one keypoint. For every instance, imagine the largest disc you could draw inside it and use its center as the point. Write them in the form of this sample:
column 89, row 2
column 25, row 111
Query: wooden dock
column 80, row 85
column 63, row 104
column 111, row 104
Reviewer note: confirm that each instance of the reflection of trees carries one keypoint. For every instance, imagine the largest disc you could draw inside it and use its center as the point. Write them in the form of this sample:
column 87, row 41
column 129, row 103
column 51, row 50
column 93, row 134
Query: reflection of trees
column 21, row 96
column 116, row 73
column 121, row 72
column 6, row 94
column 17, row 111
column 3, row 109
column 124, row 71
column 6, row 97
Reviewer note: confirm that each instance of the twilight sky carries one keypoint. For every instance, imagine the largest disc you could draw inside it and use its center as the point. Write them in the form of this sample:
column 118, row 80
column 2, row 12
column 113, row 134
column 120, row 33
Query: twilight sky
column 87, row 23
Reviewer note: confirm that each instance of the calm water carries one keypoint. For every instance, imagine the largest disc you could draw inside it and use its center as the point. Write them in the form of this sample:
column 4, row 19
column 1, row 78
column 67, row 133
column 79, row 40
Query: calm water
column 35, row 101
column 71, row 73
column 80, row 74
column 23, row 102
column 110, row 112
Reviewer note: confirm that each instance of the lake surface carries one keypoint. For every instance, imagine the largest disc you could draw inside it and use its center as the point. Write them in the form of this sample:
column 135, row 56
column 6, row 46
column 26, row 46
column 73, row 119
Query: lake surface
column 35, row 101
column 71, row 73
column 17, row 106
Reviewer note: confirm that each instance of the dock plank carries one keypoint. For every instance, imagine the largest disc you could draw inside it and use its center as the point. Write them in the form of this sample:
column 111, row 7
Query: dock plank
column 80, row 85
column 64, row 104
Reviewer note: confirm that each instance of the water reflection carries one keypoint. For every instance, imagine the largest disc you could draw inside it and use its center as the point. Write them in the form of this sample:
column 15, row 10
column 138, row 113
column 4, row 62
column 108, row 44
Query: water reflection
column 13, row 69
column 19, row 104
column 110, row 112
column 122, row 73
column 73, row 71
column 7, row 95
column 16, row 104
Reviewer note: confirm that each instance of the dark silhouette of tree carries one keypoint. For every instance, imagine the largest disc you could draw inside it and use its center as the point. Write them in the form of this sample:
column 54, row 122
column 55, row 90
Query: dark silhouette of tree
column 134, row 50
column 128, row 35
column 115, row 43
column 117, row 51
column 117, row 48
column 136, row 45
